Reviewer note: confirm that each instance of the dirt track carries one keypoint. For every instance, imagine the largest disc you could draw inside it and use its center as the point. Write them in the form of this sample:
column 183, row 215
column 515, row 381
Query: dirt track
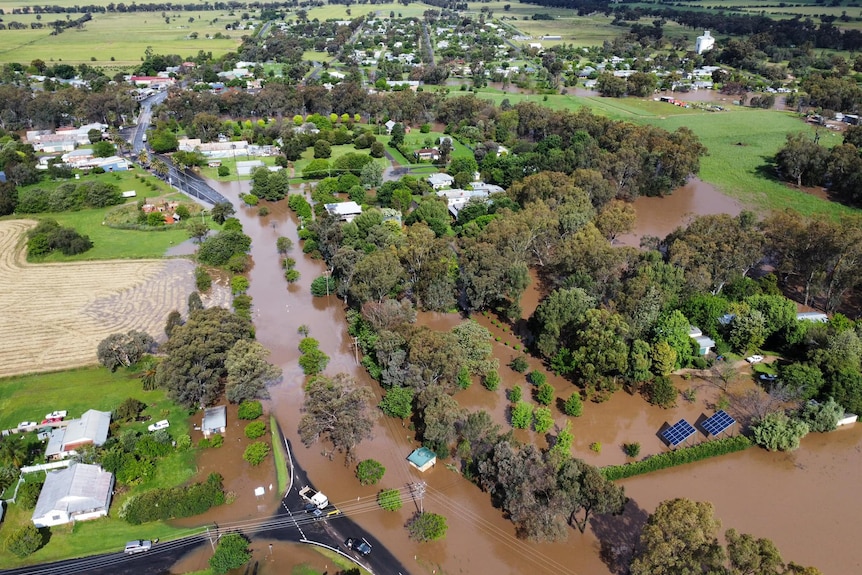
column 53, row 316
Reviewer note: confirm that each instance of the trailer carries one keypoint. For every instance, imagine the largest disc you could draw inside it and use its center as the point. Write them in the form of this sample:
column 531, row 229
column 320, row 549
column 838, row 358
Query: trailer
column 317, row 498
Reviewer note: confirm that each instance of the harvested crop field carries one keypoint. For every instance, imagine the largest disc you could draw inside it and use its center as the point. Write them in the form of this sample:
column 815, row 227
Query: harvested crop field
column 54, row 315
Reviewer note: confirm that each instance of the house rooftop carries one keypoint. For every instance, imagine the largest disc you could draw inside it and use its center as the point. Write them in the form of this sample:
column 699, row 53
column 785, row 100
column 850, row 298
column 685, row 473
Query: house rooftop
column 78, row 488
column 215, row 418
column 343, row 208
column 422, row 457
column 92, row 426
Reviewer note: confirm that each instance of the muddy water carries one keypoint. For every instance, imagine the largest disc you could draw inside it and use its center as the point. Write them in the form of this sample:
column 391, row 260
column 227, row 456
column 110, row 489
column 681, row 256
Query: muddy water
column 658, row 216
column 480, row 540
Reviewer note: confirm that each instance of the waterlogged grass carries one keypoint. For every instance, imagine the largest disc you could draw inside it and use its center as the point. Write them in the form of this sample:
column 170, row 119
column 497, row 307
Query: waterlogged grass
column 282, row 472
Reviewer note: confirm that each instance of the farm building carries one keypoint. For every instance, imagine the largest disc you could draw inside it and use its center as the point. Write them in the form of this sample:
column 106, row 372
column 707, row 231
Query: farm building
column 422, row 459
column 91, row 428
column 77, row 493
column 215, row 420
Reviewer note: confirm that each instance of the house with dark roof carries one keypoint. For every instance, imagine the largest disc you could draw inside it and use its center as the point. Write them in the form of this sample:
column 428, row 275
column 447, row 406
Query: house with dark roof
column 77, row 493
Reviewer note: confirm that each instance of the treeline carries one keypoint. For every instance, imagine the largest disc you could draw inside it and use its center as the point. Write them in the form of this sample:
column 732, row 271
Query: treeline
column 149, row 7
column 24, row 109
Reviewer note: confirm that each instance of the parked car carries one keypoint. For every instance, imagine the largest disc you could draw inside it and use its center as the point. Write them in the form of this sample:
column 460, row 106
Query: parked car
column 754, row 359
column 138, row 546
column 58, row 415
column 315, row 512
column 767, row 377
column 163, row 424
column 52, row 420
column 27, row 425
column 361, row 546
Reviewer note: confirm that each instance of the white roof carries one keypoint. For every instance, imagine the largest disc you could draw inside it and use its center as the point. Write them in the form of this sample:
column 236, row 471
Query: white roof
column 79, row 488
column 440, row 178
column 92, row 426
column 343, row 208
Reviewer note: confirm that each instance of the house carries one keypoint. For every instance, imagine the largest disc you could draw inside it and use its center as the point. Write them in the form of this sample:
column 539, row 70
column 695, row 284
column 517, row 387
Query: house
column 113, row 164
column 440, row 180
column 91, row 428
column 77, row 493
column 704, row 343
column 389, row 125
column 812, row 316
column 79, row 158
column 422, row 459
column 215, row 420
column 344, row 211
column 704, row 43
column 456, row 199
column 428, row 154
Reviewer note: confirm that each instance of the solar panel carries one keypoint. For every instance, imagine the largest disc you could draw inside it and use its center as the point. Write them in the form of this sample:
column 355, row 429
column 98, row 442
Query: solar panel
column 678, row 432
column 718, row 423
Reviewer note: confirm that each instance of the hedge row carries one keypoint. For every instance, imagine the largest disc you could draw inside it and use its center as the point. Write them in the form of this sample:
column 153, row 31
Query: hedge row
column 676, row 457
column 175, row 502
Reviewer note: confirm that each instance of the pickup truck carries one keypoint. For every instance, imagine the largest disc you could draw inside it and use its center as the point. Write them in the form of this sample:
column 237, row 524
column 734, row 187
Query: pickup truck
column 317, row 498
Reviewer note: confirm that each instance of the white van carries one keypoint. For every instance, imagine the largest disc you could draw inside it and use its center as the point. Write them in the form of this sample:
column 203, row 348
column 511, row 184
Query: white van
column 144, row 138
column 137, row 546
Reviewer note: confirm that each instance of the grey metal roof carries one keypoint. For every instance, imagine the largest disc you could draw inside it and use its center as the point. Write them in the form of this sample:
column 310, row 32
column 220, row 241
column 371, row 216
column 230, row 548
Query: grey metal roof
column 92, row 426
column 78, row 488
column 215, row 418
column 55, row 441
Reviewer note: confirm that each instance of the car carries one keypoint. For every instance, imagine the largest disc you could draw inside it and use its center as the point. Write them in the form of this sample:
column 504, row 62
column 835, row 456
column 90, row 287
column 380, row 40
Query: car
column 27, row 425
column 361, row 546
column 754, row 359
column 51, row 420
column 163, row 424
column 767, row 377
column 138, row 546
column 315, row 512
column 58, row 415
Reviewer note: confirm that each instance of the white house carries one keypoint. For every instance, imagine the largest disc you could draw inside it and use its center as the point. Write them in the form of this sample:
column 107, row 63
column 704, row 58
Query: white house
column 440, row 180
column 704, row 43
column 77, row 493
column 344, row 211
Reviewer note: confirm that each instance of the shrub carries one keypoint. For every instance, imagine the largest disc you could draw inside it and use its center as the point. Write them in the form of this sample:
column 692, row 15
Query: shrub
column 574, row 406
column 223, row 171
column 369, row 472
column 216, row 440
column 169, row 503
column 288, row 263
column 464, row 380
column 204, row 443
column 184, row 441
column 249, row 410
column 292, row 276
column 537, row 378
column 389, row 499
column 203, row 280
column 522, row 415
column 596, row 446
column 238, row 285
column 313, row 362
column 237, row 263
column 515, row 394
column 427, row 527
column 232, row 552
column 662, row 392
column 255, row 429
column 545, row 394
column 542, row 420
column 263, row 211
column 519, row 364
column 676, row 457
column 256, row 452
column 129, row 410
column 779, row 432
column 322, row 285
column 632, row 449
column 24, row 540
column 492, row 380
column 28, row 494
column 822, row 417
column 283, row 244
column 250, row 199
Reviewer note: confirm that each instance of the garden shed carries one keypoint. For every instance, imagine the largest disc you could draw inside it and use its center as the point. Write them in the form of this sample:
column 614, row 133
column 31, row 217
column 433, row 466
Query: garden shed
column 215, row 420
column 422, row 459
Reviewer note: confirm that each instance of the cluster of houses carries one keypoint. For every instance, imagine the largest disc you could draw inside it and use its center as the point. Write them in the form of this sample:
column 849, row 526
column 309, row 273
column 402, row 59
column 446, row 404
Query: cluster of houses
column 67, row 141
column 168, row 209
column 457, row 198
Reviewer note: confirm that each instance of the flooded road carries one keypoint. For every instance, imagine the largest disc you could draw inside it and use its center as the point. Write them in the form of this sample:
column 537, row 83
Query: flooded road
column 752, row 490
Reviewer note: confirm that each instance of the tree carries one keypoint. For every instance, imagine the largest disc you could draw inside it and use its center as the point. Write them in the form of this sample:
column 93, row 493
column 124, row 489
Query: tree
column 371, row 175
column 573, row 405
column 802, row 160
column 522, row 415
column 822, row 416
column 337, row 409
column 218, row 249
column 24, row 540
column 13, row 451
column 440, row 416
column 104, row 149
column 193, row 367
column 369, row 471
column 545, row 394
column 221, row 212
column 256, row 452
column 778, row 432
column 376, row 275
column 248, row 371
column 232, row 552
column 748, row 555
column 389, row 499
column 679, row 537
column 542, row 420
column 557, row 315
column 673, row 329
column 806, row 378
column 197, row 230
column 662, row 392
column 194, row 302
column 322, row 149
column 129, row 410
column 249, row 410
column 398, row 402
column 425, row 526
column 124, row 349
column 610, row 86
column 397, row 134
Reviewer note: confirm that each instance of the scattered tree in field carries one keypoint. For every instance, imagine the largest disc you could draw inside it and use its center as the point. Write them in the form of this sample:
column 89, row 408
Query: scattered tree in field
column 574, row 406
column 425, row 526
column 124, row 349
column 256, row 452
column 197, row 230
column 522, row 415
column 24, row 540
column 232, row 552
column 545, row 394
column 542, row 420
column 369, row 471
column 221, row 212
column 389, row 499
column 338, row 410
column 248, row 371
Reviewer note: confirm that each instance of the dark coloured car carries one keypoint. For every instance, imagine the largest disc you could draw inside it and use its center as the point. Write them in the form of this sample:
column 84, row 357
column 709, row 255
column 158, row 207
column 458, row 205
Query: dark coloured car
column 361, row 546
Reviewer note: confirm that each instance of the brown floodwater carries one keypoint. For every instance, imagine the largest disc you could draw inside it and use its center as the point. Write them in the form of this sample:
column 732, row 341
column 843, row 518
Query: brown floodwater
column 775, row 496
column 659, row 216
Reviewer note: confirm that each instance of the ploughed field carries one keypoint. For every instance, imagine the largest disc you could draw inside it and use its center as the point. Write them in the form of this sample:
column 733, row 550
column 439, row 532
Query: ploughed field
column 54, row 315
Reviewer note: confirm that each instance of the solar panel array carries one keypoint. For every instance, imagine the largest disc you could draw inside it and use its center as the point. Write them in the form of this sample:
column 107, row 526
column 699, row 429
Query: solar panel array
column 678, row 432
column 718, row 423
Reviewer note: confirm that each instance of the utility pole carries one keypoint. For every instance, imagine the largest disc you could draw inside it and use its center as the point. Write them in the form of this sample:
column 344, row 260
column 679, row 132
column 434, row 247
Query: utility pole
column 417, row 490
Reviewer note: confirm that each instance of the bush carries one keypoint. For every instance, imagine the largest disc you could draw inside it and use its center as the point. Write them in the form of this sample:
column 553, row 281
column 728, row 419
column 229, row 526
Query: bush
column 519, row 364
column 203, row 280
column 263, row 211
column 427, row 527
column 204, row 443
column 250, row 199
column 464, row 381
column 596, row 446
column 216, row 440
column 238, row 285
column 574, row 406
column 319, row 285
column 779, row 432
column 231, row 553
column 389, row 499
column 822, row 417
column 313, row 362
column 291, row 276
column 545, row 394
column 369, row 472
column 255, row 429
column 223, row 171
column 542, row 420
column 632, row 449
column 676, row 457
column 522, row 415
column 24, row 541
column 256, row 452
column 283, row 244
column 662, row 392
column 515, row 394
column 218, row 249
column 28, row 494
column 249, row 410
column 174, row 502
column 49, row 236
column 492, row 380
column 537, row 378
column 184, row 441
column 129, row 410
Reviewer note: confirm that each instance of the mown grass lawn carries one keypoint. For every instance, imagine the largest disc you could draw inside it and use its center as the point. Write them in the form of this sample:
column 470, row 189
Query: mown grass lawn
column 31, row 397
column 337, row 152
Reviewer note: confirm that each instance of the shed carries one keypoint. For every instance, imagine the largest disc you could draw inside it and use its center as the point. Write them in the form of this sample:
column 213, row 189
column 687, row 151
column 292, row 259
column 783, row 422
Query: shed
column 704, row 343
column 80, row 492
column 422, row 459
column 215, row 420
